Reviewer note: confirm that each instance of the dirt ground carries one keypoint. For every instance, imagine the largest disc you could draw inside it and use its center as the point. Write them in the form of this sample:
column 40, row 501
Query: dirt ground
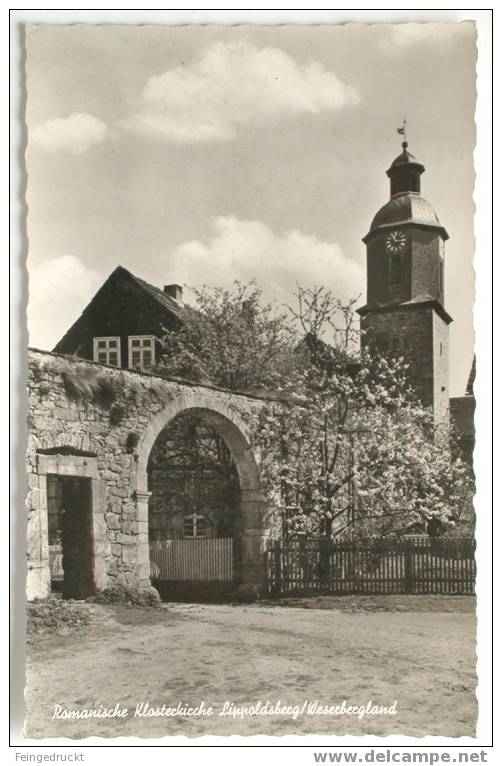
column 417, row 650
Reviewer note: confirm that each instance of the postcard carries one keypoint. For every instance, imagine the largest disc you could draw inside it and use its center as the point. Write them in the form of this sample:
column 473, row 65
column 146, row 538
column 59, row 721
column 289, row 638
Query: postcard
column 250, row 380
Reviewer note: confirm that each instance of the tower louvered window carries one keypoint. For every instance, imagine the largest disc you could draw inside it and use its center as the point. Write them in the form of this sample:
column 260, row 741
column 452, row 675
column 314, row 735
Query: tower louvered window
column 395, row 271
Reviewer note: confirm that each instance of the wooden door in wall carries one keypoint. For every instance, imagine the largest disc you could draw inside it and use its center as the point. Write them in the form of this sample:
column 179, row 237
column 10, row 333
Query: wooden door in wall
column 70, row 527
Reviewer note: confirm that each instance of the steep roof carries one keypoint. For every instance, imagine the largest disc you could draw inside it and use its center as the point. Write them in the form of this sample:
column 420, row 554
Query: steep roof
column 119, row 278
column 158, row 295
column 326, row 355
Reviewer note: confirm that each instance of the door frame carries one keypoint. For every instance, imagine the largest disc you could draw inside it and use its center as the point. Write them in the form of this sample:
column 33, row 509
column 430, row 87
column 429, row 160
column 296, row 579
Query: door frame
column 79, row 466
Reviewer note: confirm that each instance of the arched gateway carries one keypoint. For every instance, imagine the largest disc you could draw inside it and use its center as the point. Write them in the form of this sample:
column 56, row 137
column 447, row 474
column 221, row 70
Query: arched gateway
column 232, row 429
column 88, row 473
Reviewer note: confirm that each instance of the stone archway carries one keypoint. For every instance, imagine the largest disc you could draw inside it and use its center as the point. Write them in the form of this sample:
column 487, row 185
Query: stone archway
column 233, row 430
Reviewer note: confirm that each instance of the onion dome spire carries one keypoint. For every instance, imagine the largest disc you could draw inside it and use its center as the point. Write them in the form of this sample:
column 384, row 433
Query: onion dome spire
column 405, row 171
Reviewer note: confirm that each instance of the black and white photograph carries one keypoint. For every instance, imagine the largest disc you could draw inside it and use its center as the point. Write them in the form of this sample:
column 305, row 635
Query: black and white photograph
column 251, row 380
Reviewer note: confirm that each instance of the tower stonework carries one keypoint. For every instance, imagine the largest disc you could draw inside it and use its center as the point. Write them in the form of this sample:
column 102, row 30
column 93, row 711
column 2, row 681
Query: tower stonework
column 404, row 314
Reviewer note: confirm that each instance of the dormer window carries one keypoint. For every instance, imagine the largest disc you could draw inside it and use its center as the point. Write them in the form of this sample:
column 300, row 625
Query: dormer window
column 141, row 351
column 106, row 350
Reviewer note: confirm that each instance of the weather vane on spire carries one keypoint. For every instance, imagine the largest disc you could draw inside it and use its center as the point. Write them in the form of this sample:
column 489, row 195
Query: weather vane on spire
column 402, row 132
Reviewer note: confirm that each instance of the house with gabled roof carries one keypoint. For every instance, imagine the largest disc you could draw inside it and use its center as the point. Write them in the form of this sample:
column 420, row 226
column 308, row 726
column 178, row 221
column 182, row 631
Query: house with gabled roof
column 124, row 322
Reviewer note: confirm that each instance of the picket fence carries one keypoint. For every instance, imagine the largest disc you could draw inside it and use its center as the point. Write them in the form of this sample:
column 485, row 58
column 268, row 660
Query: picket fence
column 192, row 560
column 406, row 565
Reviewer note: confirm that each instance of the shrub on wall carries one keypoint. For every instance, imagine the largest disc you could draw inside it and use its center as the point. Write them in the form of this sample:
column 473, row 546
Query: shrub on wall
column 82, row 383
column 119, row 594
column 37, row 370
column 117, row 414
column 132, row 441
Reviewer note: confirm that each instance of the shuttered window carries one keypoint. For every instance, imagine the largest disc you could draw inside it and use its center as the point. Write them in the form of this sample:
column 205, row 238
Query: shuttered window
column 394, row 271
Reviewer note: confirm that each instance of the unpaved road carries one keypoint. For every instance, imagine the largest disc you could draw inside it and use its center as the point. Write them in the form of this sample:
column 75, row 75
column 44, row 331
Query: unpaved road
column 189, row 653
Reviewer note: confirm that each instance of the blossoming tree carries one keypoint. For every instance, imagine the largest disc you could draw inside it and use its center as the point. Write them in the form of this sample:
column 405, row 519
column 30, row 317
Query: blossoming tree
column 345, row 446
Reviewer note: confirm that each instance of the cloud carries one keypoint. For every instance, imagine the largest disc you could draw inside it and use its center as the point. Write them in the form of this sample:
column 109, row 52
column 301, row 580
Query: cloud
column 74, row 134
column 59, row 289
column 403, row 36
column 244, row 250
column 231, row 85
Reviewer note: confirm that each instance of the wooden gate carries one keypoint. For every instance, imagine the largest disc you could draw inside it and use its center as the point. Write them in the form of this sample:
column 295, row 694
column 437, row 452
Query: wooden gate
column 192, row 560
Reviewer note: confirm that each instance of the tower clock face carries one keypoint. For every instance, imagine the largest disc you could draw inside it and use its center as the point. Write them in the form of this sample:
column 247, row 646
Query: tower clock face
column 395, row 241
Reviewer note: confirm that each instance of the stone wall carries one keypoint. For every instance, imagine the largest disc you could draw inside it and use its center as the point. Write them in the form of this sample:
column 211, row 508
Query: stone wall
column 92, row 420
column 441, row 365
column 427, row 264
column 414, row 329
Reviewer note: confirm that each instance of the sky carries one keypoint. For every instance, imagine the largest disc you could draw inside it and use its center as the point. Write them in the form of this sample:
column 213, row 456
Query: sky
column 205, row 154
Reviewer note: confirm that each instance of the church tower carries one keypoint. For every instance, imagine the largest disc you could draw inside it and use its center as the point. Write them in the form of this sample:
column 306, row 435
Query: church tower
column 404, row 314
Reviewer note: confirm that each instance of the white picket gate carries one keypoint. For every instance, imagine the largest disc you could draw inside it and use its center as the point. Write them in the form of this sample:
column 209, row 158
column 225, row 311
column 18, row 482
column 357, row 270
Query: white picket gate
column 205, row 559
